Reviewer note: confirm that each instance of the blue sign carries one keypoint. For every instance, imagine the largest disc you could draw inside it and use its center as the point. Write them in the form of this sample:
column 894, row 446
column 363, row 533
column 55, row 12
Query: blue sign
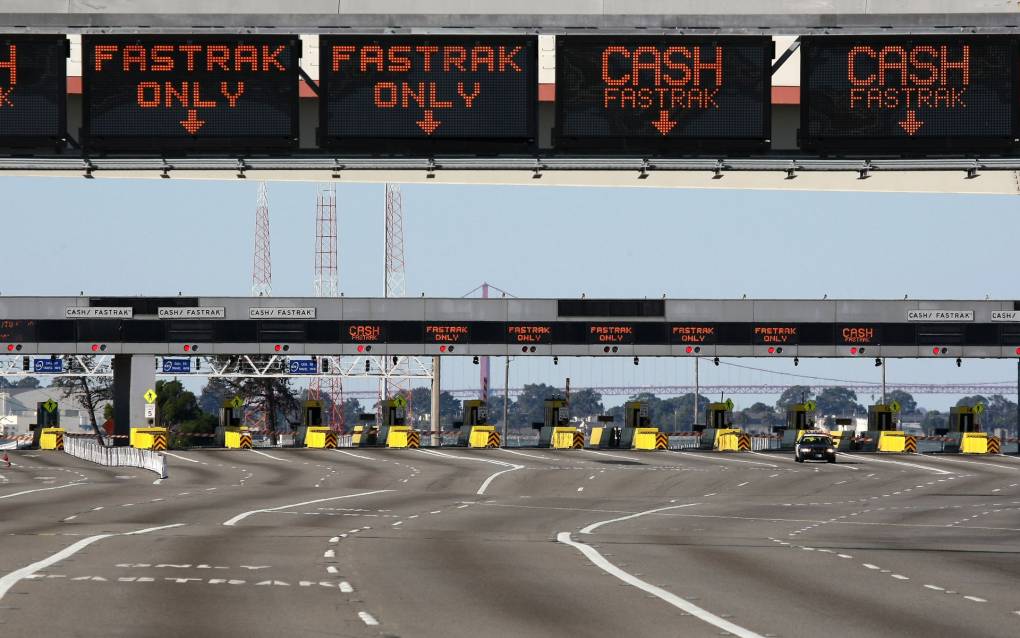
column 303, row 366
column 48, row 366
column 175, row 366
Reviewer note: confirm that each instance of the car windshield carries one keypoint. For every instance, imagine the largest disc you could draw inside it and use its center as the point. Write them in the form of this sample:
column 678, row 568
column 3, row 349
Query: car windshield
column 815, row 440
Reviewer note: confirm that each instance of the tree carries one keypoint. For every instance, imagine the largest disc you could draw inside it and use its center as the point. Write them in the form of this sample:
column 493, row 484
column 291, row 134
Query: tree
column 27, row 382
column 907, row 403
column 530, row 404
column 792, row 395
column 759, row 414
column 838, row 401
column 675, row 414
column 585, row 403
column 933, row 420
column 273, row 397
column 999, row 412
column 88, row 392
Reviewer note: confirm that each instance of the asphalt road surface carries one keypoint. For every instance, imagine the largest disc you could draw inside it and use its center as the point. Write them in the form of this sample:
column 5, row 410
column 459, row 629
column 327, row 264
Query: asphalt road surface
column 467, row 543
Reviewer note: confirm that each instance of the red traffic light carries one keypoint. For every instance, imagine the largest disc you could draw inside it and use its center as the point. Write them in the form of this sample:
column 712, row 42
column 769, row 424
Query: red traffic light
column 277, row 347
column 98, row 347
column 187, row 348
column 10, row 347
column 689, row 349
column 853, row 350
column 361, row 348
column 772, row 350
column 442, row 348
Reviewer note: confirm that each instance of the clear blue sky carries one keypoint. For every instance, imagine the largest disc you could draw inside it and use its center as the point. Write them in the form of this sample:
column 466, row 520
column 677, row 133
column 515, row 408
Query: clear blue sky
column 108, row 236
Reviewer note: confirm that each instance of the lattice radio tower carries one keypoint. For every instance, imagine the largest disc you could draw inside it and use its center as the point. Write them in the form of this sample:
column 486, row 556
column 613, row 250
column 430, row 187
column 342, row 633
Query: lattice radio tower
column 394, row 284
column 262, row 267
column 327, row 284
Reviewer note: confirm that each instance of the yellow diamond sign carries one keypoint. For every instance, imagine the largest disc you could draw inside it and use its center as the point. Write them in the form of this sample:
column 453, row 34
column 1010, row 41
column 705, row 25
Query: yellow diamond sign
column 729, row 404
column 400, row 402
column 50, row 405
column 236, row 402
column 149, row 396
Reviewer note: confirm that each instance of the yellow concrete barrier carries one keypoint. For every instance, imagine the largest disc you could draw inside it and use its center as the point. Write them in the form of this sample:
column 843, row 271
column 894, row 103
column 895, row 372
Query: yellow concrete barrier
column 148, row 438
column 563, row 438
column 727, row 440
column 892, row 441
column 319, row 437
column 596, row 437
column 402, row 436
column 51, row 439
column 994, row 445
column 644, row 438
column 974, row 443
column 232, row 438
column 359, row 430
column 483, row 436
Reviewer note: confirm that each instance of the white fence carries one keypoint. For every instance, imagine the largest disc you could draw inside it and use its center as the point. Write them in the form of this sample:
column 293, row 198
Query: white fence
column 89, row 450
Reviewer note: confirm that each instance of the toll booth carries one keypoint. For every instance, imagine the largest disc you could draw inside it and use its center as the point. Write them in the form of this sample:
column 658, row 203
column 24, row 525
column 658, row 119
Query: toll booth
column 47, row 416
column 718, row 433
column 964, row 435
column 636, row 433
column 391, row 430
column 554, row 430
column 883, row 433
column 365, row 432
column 603, row 433
column 475, row 429
column 312, row 431
column 229, row 429
column 800, row 418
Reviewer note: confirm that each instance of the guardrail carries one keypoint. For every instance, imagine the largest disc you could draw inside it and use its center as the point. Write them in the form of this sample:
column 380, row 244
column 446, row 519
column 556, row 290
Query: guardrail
column 89, row 450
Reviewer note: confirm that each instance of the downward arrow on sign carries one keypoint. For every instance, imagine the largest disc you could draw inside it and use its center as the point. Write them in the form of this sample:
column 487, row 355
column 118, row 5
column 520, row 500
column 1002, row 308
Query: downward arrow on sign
column 911, row 124
column 428, row 124
column 664, row 124
column 192, row 124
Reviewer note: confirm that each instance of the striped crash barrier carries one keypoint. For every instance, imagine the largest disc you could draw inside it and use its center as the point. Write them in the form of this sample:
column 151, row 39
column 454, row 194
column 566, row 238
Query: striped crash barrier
column 87, row 449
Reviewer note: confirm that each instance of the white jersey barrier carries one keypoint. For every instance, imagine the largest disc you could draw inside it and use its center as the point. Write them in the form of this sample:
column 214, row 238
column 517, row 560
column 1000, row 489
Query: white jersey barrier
column 89, row 450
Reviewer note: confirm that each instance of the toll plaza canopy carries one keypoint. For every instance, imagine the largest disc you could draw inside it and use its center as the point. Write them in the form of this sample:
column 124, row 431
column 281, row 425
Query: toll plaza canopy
column 288, row 326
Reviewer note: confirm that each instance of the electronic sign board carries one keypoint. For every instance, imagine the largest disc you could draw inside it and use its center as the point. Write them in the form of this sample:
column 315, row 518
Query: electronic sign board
column 529, row 333
column 908, row 93
column 190, row 92
column 667, row 93
column 447, row 333
column 33, row 89
column 12, row 330
column 404, row 93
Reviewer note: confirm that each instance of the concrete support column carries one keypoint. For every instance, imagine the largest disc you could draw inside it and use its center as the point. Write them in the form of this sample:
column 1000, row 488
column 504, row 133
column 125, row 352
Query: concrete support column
column 436, row 437
column 132, row 376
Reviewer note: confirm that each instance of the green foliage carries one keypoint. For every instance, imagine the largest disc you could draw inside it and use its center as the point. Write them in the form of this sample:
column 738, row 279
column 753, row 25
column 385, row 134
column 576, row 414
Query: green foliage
column 841, row 402
column 907, row 403
column 792, row 395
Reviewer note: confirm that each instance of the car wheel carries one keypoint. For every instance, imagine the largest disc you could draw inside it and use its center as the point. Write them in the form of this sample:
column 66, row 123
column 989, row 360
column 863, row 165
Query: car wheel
column 798, row 459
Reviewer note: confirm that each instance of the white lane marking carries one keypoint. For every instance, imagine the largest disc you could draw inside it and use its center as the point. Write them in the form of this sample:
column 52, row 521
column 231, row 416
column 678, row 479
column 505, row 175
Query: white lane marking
column 367, row 618
column 718, row 456
column 41, row 489
column 329, row 554
column 490, row 478
column 936, row 587
column 615, row 456
column 589, row 529
column 335, row 539
column 532, row 456
column 11, row 579
column 270, row 456
column 580, row 489
column 744, row 483
column 70, row 518
column 485, row 484
column 367, row 458
column 183, row 458
column 158, row 481
column 914, row 465
column 332, row 570
column 870, row 566
column 233, row 521
column 591, row 554
column 345, row 587
column 976, row 599
column 899, row 577
column 844, row 555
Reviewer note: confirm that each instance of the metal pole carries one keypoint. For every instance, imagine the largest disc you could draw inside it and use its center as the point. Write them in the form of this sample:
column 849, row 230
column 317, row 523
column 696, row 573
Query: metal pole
column 697, row 391
column 883, row 381
column 506, row 398
column 437, row 439
column 1018, row 407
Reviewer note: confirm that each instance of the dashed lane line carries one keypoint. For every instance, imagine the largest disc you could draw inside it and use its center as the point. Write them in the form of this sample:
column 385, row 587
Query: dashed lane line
column 42, row 489
column 183, row 458
column 367, row 618
column 669, row 597
column 488, row 481
column 360, row 456
column 11, row 579
column 533, row 456
column 270, row 456
column 233, row 521
column 904, row 463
